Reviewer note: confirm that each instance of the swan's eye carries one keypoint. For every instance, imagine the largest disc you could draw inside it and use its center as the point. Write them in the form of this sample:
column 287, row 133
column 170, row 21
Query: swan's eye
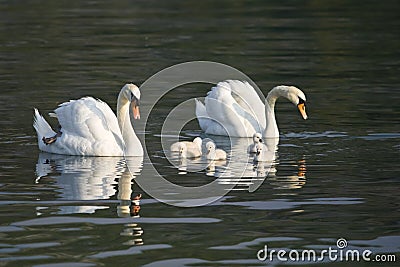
column 301, row 101
column 135, row 100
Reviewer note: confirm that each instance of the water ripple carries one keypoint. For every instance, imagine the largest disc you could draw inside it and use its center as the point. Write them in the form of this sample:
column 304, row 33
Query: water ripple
column 129, row 251
column 257, row 241
column 281, row 204
column 108, row 221
column 305, row 135
column 380, row 136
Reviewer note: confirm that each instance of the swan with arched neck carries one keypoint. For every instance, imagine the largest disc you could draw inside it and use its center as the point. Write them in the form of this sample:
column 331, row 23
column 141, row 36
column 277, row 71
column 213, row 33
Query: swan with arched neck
column 89, row 127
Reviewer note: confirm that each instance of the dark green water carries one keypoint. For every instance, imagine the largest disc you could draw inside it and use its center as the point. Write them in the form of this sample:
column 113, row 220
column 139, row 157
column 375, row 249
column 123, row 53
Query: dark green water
column 337, row 173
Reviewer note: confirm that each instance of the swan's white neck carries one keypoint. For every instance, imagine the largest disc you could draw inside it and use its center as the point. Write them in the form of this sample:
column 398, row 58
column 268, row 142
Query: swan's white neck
column 271, row 129
column 133, row 147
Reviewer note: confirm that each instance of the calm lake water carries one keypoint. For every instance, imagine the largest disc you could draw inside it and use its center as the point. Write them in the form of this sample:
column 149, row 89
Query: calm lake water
column 337, row 174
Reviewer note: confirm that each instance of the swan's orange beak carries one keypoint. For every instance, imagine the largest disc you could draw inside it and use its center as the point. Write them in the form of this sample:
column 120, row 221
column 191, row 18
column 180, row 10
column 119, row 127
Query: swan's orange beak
column 302, row 109
column 135, row 109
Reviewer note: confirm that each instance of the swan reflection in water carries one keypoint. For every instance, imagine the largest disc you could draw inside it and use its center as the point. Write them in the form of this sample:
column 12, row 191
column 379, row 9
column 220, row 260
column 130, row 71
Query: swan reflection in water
column 241, row 169
column 89, row 178
column 216, row 168
column 238, row 169
column 294, row 181
column 132, row 230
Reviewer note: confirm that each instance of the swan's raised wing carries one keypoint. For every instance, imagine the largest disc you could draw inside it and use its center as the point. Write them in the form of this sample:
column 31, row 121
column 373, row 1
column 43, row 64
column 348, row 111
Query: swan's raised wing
column 248, row 99
column 89, row 118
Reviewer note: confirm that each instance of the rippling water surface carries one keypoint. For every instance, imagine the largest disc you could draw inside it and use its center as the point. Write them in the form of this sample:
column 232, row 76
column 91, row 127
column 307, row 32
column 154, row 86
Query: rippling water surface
column 335, row 175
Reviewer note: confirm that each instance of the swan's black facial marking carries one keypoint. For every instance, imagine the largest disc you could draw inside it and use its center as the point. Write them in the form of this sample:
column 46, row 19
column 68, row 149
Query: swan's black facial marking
column 301, row 101
column 135, row 105
column 135, row 100
column 302, row 108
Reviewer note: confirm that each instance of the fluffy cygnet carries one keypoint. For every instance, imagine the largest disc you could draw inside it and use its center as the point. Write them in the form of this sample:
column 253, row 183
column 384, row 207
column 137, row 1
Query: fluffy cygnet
column 257, row 138
column 185, row 152
column 214, row 153
column 262, row 153
column 191, row 148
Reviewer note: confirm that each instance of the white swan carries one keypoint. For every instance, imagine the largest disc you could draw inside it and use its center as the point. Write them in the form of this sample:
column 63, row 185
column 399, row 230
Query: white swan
column 234, row 108
column 214, row 153
column 194, row 145
column 89, row 127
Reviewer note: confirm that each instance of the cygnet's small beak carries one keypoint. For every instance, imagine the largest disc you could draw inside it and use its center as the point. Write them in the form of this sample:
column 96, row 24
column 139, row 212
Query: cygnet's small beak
column 260, row 140
column 258, row 152
column 302, row 109
column 135, row 109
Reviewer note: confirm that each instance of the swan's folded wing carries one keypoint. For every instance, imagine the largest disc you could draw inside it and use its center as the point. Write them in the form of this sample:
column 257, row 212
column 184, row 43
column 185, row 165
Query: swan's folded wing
column 200, row 109
column 249, row 119
column 110, row 120
column 233, row 111
column 219, row 103
column 227, row 115
column 202, row 115
column 88, row 118
column 246, row 96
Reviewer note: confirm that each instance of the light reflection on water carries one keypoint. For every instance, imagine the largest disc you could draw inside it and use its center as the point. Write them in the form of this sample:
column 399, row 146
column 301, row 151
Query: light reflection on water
column 89, row 178
column 90, row 184
column 240, row 168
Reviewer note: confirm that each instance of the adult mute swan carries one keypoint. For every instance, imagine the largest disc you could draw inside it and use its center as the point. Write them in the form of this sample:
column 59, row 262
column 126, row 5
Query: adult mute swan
column 89, row 127
column 234, row 108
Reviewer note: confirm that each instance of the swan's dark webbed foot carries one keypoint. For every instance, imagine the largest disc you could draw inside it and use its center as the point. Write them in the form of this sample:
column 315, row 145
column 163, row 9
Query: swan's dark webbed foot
column 50, row 140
